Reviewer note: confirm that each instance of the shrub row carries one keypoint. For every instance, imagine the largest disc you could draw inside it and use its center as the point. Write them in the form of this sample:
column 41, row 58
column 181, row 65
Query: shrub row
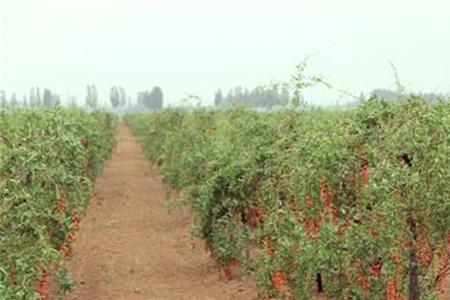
column 48, row 159
column 348, row 204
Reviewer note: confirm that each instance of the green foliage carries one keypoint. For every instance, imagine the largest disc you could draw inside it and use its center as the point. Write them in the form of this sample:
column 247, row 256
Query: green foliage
column 355, row 203
column 48, row 162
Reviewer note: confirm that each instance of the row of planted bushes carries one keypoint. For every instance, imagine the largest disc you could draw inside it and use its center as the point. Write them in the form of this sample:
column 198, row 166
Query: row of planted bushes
column 48, row 159
column 350, row 205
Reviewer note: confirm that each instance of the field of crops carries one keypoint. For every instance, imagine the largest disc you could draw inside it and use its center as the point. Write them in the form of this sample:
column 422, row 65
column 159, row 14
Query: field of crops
column 48, row 159
column 350, row 205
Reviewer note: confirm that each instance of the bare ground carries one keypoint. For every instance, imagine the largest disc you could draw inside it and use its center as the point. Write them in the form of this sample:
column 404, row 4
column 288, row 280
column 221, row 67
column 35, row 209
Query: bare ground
column 131, row 247
column 446, row 295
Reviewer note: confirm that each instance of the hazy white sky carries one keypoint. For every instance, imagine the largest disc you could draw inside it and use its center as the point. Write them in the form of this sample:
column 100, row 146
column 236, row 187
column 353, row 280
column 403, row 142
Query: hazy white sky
column 199, row 46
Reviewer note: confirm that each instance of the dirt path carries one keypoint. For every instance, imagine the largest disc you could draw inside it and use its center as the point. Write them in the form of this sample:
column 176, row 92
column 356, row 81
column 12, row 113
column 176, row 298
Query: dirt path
column 131, row 247
column 447, row 290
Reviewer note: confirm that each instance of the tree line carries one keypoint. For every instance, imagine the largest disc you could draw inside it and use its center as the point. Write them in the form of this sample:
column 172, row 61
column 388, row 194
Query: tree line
column 259, row 97
column 35, row 99
column 119, row 100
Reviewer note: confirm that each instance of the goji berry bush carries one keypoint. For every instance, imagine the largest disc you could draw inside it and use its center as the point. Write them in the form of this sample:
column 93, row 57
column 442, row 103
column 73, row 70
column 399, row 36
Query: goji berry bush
column 347, row 204
column 48, row 160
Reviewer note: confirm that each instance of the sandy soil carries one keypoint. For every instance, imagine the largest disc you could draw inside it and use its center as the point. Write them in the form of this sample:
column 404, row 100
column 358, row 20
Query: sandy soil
column 130, row 246
column 446, row 295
